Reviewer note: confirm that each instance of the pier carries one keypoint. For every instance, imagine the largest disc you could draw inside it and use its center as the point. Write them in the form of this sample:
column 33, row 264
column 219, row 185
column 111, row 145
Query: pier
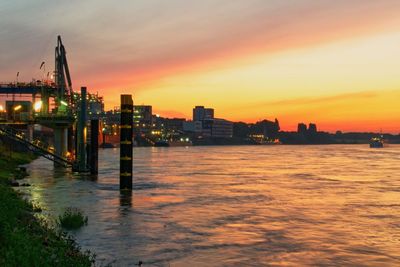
column 53, row 104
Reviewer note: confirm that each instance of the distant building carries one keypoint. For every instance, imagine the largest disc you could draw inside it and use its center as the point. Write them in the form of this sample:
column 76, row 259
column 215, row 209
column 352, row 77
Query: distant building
column 201, row 113
column 112, row 117
column 142, row 116
column 175, row 124
column 301, row 128
column 222, row 128
column 312, row 128
column 96, row 104
column 205, row 125
column 218, row 128
column 192, row 126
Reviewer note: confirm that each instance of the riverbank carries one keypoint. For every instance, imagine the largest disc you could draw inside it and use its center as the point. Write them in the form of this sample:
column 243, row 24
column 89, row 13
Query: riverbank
column 24, row 239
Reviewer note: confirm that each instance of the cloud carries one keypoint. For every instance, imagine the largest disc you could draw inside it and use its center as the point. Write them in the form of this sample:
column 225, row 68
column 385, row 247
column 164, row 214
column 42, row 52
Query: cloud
column 170, row 113
column 136, row 42
column 307, row 101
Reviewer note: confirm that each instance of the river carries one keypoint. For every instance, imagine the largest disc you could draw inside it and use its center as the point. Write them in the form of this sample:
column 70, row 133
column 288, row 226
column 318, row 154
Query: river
column 235, row 206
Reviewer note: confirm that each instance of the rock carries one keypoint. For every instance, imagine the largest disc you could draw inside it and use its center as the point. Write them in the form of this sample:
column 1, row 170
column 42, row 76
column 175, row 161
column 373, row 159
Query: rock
column 14, row 183
column 20, row 174
column 22, row 169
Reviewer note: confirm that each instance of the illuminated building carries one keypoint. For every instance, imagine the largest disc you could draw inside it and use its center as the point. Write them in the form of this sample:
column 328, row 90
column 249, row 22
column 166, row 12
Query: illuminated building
column 201, row 113
column 142, row 116
column 18, row 110
column 217, row 128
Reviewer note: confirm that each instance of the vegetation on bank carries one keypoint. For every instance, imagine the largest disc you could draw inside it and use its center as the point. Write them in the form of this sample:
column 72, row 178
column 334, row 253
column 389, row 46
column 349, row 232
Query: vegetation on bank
column 24, row 239
column 72, row 218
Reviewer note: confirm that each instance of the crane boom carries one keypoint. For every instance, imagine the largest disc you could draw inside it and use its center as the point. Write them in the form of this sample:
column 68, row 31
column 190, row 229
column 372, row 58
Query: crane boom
column 62, row 74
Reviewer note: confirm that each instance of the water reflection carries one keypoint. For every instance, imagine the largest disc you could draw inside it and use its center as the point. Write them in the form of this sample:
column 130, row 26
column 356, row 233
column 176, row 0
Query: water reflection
column 125, row 199
column 234, row 206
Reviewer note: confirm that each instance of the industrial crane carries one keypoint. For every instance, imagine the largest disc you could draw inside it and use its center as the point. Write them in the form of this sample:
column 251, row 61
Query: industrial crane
column 62, row 78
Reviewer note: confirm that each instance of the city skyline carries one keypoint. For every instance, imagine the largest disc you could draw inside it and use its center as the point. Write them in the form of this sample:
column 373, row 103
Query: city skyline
column 333, row 63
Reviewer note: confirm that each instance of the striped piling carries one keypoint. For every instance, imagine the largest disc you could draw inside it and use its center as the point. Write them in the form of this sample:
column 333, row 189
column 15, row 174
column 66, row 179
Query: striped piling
column 125, row 180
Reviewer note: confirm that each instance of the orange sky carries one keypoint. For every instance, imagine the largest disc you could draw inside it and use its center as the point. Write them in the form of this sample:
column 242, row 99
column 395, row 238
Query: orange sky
column 335, row 63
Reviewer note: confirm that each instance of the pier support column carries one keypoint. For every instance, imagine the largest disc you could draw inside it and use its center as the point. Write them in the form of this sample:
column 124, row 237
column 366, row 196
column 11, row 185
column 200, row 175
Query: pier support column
column 60, row 141
column 126, row 162
column 71, row 140
column 81, row 133
column 94, row 147
column 30, row 132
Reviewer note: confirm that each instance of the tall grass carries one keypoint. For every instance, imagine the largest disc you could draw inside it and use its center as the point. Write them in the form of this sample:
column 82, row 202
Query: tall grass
column 72, row 218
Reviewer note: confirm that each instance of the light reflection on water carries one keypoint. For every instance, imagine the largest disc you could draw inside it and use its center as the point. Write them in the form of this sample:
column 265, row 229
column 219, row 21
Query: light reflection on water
column 236, row 206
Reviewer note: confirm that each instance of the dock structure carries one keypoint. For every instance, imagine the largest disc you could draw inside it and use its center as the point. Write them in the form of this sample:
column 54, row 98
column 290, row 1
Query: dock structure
column 126, row 151
column 54, row 105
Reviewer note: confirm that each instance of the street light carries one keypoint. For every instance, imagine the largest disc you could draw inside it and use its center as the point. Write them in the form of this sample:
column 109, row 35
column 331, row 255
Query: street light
column 1, row 108
column 17, row 108
column 37, row 106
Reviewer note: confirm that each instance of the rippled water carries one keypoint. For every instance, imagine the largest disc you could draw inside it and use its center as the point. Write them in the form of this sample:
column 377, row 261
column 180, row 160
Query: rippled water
column 236, row 206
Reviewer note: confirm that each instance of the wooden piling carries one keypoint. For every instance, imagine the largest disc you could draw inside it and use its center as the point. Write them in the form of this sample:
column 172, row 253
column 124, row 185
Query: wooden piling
column 126, row 151
column 94, row 146
column 81, row 135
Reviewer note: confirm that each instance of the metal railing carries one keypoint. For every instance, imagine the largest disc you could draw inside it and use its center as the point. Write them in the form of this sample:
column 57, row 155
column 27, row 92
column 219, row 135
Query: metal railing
column 36, row 146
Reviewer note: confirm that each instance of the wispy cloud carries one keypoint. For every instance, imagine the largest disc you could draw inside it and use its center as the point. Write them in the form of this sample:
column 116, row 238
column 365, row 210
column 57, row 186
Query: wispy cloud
column 307, row 101
column 139, row 41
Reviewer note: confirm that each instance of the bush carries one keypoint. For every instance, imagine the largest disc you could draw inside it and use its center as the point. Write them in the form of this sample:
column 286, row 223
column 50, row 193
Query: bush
column 72, row 218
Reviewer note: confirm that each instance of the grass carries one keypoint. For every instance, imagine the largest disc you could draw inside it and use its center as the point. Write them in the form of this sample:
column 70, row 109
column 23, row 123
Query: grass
column 72, row 219
column 24, row 239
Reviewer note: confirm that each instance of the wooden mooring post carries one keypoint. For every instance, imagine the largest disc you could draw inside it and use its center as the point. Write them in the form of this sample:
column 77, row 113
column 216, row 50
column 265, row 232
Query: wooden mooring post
column 126, row 151
column 94, row 147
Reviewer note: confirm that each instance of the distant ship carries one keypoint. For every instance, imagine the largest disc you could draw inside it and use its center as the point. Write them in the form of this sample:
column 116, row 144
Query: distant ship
column 376, row 142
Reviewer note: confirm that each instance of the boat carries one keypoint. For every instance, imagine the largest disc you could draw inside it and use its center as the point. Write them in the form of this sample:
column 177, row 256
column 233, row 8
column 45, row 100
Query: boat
column 376, row 142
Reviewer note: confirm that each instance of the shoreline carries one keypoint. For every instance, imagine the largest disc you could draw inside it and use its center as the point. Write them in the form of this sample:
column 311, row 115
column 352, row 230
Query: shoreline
column 26, row 240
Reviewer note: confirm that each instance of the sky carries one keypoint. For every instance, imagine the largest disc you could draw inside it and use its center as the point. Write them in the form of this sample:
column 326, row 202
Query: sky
column 334, row 63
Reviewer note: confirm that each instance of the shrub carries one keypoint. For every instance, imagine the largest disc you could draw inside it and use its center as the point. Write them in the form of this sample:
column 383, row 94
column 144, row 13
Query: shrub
column 72, row 218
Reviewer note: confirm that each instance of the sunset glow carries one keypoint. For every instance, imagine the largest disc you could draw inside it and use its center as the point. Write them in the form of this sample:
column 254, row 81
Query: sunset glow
column 334, row 63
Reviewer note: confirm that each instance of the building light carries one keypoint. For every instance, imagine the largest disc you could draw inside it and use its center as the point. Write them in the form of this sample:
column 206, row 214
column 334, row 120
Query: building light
column 17, row 107
column 1, row 108
column 62, row 102
column 37, row 106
